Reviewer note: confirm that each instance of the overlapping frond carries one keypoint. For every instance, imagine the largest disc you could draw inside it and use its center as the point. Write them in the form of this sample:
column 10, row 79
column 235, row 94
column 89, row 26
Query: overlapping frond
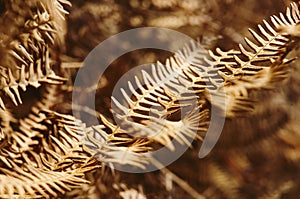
column 50, row 145
column 48, row 163
column 48, row 153
column 37, row 182
column 193, row 76
column 27, row 30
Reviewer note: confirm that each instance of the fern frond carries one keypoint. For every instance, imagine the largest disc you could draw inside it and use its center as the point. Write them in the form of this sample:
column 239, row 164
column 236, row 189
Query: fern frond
column 27, row 59
column 50, row 144
column 192, row 75
column 36, row 182
column 48, row 163
column 62, row 149
column 245, row 70
column 190, row 72
column 166, row 90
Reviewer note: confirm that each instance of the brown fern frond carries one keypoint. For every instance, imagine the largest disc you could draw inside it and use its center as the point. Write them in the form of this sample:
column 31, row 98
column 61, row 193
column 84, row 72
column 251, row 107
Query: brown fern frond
column 26, row 49
column 34, row 182
column 53, row 160
column 164, row 91
column 263, row 65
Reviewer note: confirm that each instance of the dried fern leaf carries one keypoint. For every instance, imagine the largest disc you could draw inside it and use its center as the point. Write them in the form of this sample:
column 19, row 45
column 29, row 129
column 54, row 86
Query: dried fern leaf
column 48, row 163
column 190, row 71
column 37, row 183
column 48, row 141
column 168, row 88
column 262, row 66
column 189, row 75
column 26, row 52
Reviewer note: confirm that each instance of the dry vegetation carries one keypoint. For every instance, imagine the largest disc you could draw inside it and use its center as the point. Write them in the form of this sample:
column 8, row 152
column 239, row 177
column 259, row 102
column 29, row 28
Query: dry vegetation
column 42, row 46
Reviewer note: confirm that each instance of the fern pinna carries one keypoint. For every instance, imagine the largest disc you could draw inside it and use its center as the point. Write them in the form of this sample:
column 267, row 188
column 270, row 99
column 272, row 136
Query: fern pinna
column 46, row 153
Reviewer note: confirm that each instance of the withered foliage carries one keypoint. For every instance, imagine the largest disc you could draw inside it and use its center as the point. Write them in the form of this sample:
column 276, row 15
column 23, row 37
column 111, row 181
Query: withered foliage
column 46, row 152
